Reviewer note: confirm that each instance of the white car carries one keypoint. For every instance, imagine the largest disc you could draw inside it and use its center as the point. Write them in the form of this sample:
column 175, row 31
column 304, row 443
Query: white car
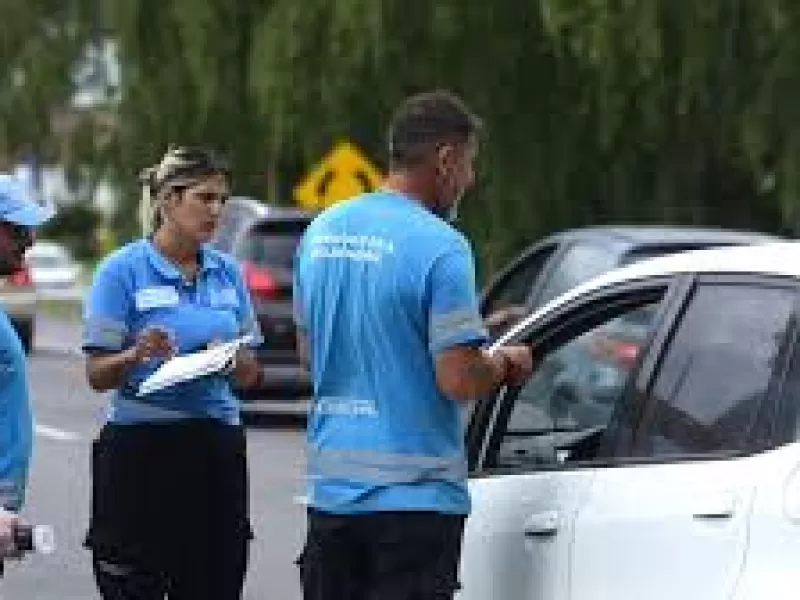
column 682, row 481
column 52, row 267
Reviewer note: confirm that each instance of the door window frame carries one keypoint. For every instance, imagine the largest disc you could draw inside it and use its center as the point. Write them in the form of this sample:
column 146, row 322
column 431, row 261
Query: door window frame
column 490, row 417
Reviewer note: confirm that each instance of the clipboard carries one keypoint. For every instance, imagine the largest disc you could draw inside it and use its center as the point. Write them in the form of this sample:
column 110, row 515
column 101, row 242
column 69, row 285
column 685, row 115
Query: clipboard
column 191, row 366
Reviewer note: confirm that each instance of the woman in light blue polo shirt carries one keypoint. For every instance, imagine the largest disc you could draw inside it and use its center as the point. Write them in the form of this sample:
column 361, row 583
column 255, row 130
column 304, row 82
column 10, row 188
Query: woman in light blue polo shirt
column 170, row 492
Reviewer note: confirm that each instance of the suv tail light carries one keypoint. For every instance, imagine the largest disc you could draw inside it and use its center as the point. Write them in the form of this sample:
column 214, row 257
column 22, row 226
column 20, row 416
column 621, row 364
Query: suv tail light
column 260, row 281
column 621, row 352
column 21, row 277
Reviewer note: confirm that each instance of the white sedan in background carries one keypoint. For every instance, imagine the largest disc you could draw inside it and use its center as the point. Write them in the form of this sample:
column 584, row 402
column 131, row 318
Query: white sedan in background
column 52, row 267
column 678, row 479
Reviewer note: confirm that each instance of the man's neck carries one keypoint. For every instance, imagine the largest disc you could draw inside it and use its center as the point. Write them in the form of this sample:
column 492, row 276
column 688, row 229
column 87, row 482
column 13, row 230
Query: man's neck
column 404, row 184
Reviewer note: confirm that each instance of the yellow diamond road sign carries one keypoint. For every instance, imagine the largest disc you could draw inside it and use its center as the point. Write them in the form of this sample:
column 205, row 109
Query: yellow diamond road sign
column 345, row 172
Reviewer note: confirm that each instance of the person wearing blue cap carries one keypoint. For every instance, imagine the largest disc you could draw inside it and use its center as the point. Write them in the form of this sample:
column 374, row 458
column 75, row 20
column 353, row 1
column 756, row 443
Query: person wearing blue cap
column 18, row 218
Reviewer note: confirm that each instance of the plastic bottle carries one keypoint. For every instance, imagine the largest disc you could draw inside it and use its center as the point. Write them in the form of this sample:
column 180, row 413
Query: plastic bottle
column 38, row 539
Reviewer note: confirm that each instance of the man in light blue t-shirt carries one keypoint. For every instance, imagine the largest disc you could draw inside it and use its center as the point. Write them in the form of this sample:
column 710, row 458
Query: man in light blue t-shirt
column 386, row 306
column 18, row 218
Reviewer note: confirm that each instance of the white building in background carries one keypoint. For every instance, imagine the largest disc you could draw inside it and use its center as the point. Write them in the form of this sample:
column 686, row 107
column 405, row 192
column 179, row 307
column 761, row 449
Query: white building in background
column 97, row 76
column 54, row 189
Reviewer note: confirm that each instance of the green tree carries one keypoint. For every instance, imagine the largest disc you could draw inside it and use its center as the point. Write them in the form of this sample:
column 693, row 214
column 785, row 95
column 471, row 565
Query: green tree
column 636, row 111
column 40, row 43
column 185, row 71
column 596, row 111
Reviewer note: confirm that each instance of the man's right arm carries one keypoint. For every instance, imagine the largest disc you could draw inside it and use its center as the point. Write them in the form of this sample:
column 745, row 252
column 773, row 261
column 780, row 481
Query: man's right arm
column 464, row 370
column 467, row 373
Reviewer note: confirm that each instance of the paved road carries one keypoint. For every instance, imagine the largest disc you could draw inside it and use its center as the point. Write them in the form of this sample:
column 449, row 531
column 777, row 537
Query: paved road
column 68, row 415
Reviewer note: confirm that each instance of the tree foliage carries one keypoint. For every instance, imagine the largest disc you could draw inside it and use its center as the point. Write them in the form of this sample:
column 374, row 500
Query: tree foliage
column 40, row 42
column 596, row 111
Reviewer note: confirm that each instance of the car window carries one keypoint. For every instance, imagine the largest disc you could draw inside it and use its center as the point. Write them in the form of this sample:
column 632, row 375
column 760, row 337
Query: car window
column 229, row 223
column 711, row 390
column 515, row 287
column 275, row 248
column 574, row 391
column 582, row 262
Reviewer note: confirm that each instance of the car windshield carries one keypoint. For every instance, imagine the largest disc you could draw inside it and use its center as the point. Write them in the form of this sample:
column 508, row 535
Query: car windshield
column 581, row 263
column 46, row 260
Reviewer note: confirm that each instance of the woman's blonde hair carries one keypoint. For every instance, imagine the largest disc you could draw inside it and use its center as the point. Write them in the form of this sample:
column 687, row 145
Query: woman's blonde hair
column 150, row 217
column 180, row 167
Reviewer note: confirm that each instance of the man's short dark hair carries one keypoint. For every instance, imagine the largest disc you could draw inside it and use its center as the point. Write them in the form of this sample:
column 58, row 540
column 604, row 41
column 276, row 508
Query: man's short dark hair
column 428, row 119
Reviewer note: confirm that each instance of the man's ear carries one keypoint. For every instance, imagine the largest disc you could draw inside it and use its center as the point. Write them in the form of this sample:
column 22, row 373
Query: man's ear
column 446, row 154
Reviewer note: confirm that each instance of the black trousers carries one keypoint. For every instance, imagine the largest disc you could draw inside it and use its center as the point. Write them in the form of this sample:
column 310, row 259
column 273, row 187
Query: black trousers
column 381, row 556
column 170, row 513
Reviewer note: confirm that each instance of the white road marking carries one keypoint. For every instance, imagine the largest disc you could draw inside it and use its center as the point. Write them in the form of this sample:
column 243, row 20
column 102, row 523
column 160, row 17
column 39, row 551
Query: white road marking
column 56, row 434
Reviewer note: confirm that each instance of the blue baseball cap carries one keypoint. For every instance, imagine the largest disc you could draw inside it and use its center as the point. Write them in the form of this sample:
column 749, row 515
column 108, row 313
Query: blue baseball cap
column 15, row 207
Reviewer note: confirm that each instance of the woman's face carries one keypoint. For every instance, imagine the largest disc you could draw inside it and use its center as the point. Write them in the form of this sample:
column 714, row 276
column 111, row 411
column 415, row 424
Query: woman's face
column 194, row 211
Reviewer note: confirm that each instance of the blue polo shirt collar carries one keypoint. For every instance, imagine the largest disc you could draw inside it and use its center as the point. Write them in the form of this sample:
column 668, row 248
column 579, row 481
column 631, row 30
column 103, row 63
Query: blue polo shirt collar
column 168, row 270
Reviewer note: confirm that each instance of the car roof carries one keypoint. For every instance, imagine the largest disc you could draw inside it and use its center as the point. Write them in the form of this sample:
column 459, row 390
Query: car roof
column 279, row 214
column 247, row 202
column 777, row 259
column 262, row 210
column 659, row 234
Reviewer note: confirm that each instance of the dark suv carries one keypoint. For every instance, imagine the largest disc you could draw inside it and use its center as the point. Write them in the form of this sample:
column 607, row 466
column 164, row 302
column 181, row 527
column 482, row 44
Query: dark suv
column 569, row 258
column 238, row 213
column 265, row 248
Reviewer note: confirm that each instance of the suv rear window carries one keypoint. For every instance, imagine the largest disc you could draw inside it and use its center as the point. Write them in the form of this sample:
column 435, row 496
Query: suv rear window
column 272, row 243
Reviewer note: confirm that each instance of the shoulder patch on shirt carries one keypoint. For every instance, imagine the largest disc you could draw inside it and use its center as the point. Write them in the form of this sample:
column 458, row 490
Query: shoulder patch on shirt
column 156, row 297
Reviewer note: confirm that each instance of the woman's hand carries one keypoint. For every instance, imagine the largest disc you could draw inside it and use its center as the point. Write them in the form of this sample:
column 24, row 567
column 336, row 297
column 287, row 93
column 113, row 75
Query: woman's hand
column 244, row 368
column 154, row 342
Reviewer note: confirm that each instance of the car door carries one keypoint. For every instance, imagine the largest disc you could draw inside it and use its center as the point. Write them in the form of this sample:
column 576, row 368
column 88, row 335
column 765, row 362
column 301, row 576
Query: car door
column 532, row 449
column 671, row 520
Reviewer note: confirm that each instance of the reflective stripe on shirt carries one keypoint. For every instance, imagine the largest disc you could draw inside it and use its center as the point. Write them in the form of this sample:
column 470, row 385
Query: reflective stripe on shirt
column 104, row 333
column 452, row 325
column 141, row 410
column 384, row 467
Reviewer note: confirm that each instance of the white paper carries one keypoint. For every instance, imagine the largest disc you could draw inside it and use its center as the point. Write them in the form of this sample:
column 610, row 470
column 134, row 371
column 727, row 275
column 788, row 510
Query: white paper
column 191, row 366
